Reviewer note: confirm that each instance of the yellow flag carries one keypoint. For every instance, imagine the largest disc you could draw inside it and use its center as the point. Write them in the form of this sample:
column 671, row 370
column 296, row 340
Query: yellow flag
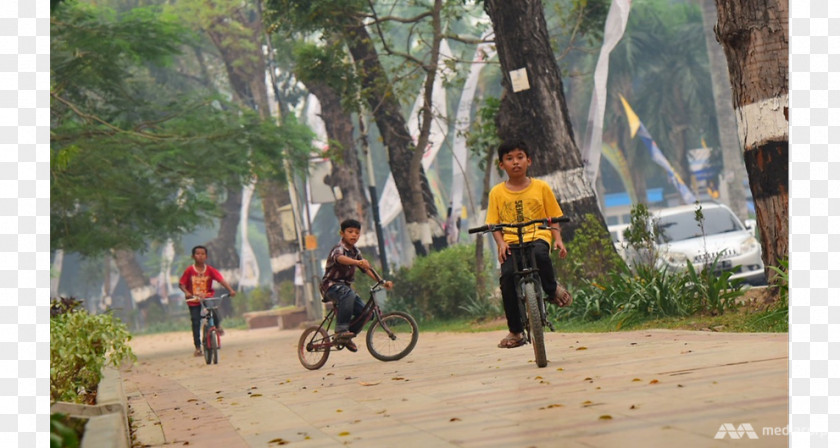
column 632, row 118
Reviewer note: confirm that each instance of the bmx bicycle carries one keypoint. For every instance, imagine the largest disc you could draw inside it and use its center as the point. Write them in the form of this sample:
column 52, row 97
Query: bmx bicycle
column 528, row 286
column 390, row 337
column 211, row 340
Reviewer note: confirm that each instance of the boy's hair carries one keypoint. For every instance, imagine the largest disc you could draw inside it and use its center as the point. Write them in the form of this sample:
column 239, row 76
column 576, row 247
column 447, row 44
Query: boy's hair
column 197, row 248
column 350, row 224
column 509, row 145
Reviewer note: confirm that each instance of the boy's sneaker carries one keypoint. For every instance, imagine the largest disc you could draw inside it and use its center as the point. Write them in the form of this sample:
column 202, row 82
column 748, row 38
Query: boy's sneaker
column 345, row 335
column 197, row 352
column 351, row 346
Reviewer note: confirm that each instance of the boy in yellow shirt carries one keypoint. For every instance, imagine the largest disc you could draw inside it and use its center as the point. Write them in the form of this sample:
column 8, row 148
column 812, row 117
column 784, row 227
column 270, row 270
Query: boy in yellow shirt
column 520, row 199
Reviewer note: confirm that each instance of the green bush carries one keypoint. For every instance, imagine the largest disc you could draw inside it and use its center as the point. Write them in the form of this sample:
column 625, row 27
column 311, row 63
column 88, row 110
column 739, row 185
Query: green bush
column 438, row 284
column 775, row 318
column 81, row 344
column 591, row 256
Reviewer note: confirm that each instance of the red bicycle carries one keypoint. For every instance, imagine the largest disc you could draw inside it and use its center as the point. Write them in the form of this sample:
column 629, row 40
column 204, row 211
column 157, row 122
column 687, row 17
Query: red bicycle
column 211, row 340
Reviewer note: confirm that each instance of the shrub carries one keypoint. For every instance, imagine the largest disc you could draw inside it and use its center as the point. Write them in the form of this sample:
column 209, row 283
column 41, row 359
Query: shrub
column 80, row 345
column 591, row 256
column 438, row 284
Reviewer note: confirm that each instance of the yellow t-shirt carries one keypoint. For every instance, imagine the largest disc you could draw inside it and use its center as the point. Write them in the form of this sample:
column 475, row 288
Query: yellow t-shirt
column 536, row 201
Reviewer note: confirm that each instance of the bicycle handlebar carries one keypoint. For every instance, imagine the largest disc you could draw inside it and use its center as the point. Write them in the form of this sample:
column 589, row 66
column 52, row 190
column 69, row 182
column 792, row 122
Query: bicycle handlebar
column 500, row 226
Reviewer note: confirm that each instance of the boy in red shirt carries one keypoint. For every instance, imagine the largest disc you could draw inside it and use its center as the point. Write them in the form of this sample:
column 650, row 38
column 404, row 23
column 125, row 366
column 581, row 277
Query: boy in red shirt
column 197, row 283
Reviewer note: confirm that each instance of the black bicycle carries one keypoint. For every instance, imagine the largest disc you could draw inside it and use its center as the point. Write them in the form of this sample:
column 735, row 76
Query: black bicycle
column 528, row 286
column 390, row 337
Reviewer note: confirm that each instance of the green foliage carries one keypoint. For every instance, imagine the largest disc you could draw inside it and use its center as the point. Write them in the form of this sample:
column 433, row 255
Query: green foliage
column 715, row 291
column 438, row 284
column 257, row 299
column 81, row 344
column 137, row 154
column 65, row 432
column 481, row 308
column 641, row 237
column 776, row 318
column 591, row 255
column 483, row 137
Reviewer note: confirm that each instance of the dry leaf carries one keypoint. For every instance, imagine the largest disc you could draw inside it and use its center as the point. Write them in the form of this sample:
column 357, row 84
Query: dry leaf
column 398, row 378
column 654, row 381
column 605, row 417
column 454, row 419
column 637, row 379
column 581, row 348
column 538, row 377
column 556, row 405
column 256, row 395
column 278, row 441
column 365, row 383
column 588, row 379
column 343, row 433
column 338, row 410
column 586, row 403
column 559, row 369
column 632, row 406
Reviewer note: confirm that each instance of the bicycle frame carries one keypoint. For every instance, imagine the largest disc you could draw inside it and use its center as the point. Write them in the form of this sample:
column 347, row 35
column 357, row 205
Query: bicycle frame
column 370, row 311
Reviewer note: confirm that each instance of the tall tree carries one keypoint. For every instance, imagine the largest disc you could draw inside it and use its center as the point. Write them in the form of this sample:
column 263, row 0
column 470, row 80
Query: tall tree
column 325, row 76
column 754, row 36
column 734, row 174
column 347, row 19
column 538, row 114
column 236, row 31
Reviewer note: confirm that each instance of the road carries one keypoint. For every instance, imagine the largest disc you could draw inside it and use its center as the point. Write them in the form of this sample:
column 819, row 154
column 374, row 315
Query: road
column 654, row 388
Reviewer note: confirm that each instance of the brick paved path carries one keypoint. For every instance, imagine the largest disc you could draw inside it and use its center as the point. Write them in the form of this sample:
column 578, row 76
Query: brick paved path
column 656, row 388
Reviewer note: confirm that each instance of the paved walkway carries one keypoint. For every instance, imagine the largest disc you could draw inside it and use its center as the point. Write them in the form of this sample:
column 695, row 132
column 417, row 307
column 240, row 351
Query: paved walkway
column 655, row 388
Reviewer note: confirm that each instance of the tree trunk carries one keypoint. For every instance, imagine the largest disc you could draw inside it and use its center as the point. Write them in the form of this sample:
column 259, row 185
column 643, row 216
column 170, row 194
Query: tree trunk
column 538, row 115
column 345, row 172
column 403, row 156
column 221, row 251
column 754, row 36
column 246, row 69
column 733, row 175
column 142, row 293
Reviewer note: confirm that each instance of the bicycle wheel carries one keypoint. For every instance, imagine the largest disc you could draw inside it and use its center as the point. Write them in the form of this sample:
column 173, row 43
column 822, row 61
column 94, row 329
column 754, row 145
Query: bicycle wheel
column 214, row 345
column 205, row 345
column 392, row 337
column 314, row 348
column 535, row 325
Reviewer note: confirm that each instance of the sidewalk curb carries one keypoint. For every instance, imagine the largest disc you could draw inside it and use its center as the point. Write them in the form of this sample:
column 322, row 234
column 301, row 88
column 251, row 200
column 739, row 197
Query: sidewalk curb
column 107, row 424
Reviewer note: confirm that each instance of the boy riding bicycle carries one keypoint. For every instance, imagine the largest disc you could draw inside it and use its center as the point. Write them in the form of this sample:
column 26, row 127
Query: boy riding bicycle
column 521, row 199
column 197, row 284
column 339, row 274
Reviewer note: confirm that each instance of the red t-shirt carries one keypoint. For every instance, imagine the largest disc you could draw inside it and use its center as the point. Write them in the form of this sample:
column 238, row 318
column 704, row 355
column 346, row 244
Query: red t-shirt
column 200, row 282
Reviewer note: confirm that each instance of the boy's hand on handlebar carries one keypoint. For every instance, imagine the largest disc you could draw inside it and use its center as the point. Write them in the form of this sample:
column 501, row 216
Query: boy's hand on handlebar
column 364, row 264
column 388, row 284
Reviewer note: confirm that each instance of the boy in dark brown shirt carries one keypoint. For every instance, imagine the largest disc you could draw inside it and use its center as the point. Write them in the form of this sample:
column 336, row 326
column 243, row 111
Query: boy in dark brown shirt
column 339, row 274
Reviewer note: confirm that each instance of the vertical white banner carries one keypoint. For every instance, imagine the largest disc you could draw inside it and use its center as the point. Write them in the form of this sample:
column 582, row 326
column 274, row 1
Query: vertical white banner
column 613, row 31
column 390, row 205
column 460, row 159
column 249, row 268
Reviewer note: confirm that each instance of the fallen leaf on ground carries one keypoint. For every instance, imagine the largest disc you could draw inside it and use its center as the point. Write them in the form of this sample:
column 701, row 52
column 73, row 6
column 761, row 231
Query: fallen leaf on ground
column 454, row 419
column 344, row 433
column 365, row 383
column 654, row 381
column 637, row 379
column 605, row 417
column 556, row 405
column 581, row 348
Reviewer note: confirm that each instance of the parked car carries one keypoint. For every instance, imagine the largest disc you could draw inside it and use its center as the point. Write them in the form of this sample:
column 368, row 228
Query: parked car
column 721, row 237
